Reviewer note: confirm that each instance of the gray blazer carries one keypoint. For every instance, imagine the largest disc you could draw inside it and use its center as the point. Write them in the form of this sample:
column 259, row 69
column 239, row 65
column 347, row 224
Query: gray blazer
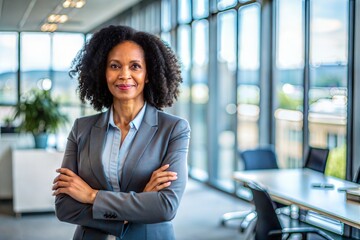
column 162, row 138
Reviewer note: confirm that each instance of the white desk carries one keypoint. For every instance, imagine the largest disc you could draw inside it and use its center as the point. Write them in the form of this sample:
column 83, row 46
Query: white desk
column 33, row 174
column 293, row 186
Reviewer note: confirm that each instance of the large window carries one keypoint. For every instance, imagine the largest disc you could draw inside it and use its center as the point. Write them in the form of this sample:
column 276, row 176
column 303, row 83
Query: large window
column 35, row 60
column 184, row 53
column 328, row 80
column 200, row 8
column 326, row 96
column 199, row 99
column 8, row 67
column 184, row 11
column 226, row 98
column 248, row 81
column 224, row 4
column 65, row 46
column 45, row 60
column 289, row 91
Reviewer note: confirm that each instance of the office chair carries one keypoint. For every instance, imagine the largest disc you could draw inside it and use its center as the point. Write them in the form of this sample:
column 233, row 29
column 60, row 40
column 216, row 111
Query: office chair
column 268, row 225
column 258, row 158
column 316, row 159
column 357, row 176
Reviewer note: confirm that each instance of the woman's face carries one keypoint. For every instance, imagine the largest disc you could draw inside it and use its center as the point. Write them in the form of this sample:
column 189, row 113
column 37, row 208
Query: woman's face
column 126, row 72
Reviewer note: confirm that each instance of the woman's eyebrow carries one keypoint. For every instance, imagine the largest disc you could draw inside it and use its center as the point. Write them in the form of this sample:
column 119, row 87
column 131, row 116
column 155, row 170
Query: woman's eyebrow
column 136, row 61
column 131, row 61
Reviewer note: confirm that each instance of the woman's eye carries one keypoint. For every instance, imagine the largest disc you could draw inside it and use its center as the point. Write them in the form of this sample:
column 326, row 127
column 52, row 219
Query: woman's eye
column 114, row 66
column 136, row 66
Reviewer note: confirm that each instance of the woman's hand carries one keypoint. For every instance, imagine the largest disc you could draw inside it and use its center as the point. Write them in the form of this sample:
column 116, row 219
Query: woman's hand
column 67, row 182
column 160, row 179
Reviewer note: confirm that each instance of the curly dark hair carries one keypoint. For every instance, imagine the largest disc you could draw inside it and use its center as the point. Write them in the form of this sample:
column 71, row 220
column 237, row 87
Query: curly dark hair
column 162, row 67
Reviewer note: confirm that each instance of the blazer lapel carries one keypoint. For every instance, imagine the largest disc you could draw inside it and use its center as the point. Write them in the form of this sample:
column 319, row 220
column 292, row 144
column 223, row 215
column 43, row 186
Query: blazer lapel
column 143, row 137
column 97, row 137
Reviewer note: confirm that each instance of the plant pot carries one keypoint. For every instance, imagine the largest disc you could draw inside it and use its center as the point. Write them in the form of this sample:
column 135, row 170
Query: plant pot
column 7, row 129
column 41, row 140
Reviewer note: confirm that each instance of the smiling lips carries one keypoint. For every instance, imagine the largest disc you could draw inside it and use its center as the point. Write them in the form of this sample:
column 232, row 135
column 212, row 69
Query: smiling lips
column 125, row 86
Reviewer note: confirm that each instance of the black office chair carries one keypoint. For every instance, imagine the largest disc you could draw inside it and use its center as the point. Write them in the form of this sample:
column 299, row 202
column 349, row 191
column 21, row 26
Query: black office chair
column 258, row 158
column 316, row 159
column 268, row 225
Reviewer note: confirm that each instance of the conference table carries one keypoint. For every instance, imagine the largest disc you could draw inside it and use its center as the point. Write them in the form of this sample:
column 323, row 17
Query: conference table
column 307, row 189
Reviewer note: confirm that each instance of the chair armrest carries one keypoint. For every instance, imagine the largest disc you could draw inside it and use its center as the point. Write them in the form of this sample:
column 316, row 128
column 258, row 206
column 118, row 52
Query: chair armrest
column 300, row 230
column 245, row 223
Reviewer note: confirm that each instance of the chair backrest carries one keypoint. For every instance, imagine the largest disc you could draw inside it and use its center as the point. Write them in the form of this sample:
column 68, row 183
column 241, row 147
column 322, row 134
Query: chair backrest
column 357, row 176
column 259, row 158
column 267, row 219
column 316, row 159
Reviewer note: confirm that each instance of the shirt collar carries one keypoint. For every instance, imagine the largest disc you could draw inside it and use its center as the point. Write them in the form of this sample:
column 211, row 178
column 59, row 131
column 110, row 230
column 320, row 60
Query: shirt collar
column 134, row 123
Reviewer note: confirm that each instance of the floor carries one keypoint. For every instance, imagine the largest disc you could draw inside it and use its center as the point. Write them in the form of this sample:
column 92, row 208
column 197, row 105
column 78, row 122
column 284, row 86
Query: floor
column 198, row 218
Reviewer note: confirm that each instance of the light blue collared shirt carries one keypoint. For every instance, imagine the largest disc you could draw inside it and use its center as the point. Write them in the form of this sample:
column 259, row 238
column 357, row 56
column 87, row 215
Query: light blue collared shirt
column 115, row 153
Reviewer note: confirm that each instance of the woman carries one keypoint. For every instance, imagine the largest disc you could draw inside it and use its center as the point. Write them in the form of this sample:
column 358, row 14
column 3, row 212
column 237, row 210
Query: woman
column 124, row 170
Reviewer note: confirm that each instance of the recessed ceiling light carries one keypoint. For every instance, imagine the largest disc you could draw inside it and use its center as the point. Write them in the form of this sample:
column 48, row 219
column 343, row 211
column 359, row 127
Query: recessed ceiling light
column 57, row 18
column 49, row 27
column 74, row 3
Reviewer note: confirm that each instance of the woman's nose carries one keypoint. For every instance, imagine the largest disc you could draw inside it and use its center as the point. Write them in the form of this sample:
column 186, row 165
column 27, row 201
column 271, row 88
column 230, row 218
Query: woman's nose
column 124, row 73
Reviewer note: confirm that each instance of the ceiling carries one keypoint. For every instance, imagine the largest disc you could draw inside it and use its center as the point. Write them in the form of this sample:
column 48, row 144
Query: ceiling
column 30, row 15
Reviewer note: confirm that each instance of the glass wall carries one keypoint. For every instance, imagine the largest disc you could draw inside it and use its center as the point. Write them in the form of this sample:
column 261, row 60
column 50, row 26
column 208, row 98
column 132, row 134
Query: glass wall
column 45, row 59
column 35, row 60
column 64, row 47
column 166, row 21
column 8, row 67
column 328, row 80
column 199, row 98
column 226, row 98
column 200, row 8
column 289, row 83
column 248, row 80
column 184, row 53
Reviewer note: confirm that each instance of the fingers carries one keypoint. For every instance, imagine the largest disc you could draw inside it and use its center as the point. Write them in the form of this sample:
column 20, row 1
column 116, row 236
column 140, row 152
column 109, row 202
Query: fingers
column 62, row 177
column 161, row 169
column 66, row 171
column 60, row 184
column 165, row 179
column 161, row 172
column 162, row 186
column 162, row 177
column 164, row 174
column 160, row 181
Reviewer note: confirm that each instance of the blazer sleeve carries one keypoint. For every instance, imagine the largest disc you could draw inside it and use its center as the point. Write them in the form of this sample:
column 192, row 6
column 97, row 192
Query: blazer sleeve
column 69, row 210
column 151, row 207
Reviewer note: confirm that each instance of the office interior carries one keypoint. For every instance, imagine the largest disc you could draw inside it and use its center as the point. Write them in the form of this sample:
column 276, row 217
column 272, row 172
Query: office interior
column 280, row 73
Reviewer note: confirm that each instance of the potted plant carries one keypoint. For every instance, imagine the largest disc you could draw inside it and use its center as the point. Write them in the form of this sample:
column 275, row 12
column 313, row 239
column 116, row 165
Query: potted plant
column 40, row 115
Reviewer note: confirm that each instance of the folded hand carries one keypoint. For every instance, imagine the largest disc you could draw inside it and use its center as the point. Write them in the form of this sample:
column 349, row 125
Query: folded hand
column 160, row 179
column 67, row 182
